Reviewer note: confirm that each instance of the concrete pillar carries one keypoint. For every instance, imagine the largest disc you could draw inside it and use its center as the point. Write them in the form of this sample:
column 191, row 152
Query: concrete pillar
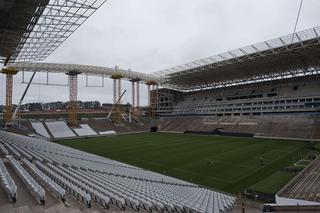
column 133, row 94
column 157, row 94
column 138, row 94
column 119, row 89
column 114, row 91
column 149, row 96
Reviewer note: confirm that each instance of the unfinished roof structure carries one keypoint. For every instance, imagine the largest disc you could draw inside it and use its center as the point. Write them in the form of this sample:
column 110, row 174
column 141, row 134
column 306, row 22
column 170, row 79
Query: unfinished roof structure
column 30, row 30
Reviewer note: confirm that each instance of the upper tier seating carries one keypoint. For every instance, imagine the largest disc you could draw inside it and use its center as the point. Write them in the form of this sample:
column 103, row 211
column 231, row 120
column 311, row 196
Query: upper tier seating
column 291, row 95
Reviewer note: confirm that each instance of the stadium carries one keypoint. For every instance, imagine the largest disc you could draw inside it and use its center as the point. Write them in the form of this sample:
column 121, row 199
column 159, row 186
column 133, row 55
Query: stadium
column 238, row 131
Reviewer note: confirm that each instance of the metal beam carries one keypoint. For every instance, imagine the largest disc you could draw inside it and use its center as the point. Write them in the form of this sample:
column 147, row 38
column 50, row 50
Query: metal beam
column 133, row 94
column 223, row 68
column 50, row 24
column 84, row 69
column 22, row 97
column 73, row 98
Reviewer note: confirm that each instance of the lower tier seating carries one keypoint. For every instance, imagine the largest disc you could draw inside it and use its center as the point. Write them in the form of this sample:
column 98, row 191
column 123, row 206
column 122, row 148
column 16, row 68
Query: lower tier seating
column 36, row 190
column 90, row 178
column 7, row 183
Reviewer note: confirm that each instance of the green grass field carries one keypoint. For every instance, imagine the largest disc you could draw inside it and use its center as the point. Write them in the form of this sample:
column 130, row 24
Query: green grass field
column 225, row 163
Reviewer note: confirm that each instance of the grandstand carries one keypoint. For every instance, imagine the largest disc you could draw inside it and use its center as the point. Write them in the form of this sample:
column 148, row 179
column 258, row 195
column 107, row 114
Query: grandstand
column 254, row 89
column 298, row 126
column 48, row 167
column 285, row 109
column 282, row 96
column 58, row 129
column 40, row 129
column 84, row 130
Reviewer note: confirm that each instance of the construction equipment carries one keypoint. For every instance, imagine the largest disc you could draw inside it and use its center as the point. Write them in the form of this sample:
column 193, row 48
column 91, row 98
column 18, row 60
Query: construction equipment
column 116, row 113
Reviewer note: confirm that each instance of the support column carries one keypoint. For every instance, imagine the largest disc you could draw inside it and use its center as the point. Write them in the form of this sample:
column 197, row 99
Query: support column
column 133, row 95
column 9, row 72
column 116, row 113
column 154, row 100
column 8, row 106
column 73, row 98
column 138, row 94
column 119, row 90
column 114, row 91
column 149, row 96
column 152, row 97
column 157, row 95
column 116, row 87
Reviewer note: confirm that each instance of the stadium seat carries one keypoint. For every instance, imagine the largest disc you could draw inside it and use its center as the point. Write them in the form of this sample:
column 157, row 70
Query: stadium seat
column 90, row 178
column 36, row 190
column 56, row 190
column 7, row 183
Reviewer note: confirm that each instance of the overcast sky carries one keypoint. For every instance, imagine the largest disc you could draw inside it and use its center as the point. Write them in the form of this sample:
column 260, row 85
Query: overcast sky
column 151, row 35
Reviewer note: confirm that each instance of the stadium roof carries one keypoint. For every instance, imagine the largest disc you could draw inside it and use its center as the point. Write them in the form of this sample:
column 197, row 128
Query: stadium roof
column 30, row 30
column 289, row 56
column 83, row 69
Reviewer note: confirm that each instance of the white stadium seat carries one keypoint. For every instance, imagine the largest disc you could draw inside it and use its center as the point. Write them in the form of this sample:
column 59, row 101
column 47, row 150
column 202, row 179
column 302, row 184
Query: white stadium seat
column 7, row 183
column 56, row 190
column 40, row 129
column 36, row 190
column 90, row 178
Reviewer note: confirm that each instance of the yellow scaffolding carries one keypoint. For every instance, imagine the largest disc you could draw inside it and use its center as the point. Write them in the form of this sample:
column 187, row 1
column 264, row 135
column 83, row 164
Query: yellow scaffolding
column 9, row 72
column 153, row 98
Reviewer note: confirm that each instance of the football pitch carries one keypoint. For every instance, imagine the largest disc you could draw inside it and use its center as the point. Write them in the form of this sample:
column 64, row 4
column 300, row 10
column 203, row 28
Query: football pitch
column 229, row 164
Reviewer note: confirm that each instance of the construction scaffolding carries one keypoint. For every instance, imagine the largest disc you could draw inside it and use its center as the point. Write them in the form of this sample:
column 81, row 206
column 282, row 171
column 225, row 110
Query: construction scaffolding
column 152, row 98
column 9, row 72
column 114, row 91
column 116, row 115
column 8, row 107
column 73, row 98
